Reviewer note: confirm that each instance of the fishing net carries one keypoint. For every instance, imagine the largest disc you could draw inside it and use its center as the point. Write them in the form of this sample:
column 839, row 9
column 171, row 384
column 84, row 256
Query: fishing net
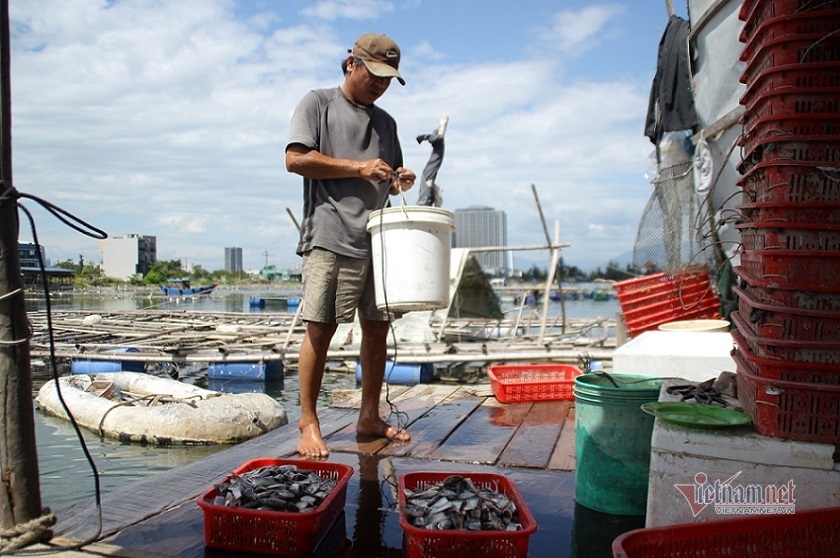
column 675, row 229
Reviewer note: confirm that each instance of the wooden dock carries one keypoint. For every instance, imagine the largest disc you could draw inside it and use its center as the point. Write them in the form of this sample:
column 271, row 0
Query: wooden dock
column 454, row 428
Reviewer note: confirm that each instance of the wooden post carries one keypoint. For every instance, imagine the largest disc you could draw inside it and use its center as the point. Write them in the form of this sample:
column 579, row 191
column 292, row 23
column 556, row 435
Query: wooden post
column 20, row 491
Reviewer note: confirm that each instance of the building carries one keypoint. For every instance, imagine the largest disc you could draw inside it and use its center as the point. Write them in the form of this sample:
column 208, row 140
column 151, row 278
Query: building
column 233, row 260
column 479, row 226
column 28, row 255
column 123, row 257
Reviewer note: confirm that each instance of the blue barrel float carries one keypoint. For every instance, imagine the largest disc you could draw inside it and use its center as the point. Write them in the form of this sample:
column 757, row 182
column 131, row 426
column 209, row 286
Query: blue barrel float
column 91, row 366
column 403, row 373
column 266, row 370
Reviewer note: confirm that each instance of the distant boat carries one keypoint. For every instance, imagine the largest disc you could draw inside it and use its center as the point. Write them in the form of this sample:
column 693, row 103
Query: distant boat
column 181, row 287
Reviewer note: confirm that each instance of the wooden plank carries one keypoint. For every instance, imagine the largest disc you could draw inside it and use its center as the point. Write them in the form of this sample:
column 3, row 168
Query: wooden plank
column 430, row 430
column 414, row 402
column 533, row 443
column 476, row 441
column 563, row 457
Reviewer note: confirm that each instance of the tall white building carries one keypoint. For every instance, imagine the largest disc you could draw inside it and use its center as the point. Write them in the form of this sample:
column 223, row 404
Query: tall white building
column 480, row 226
column 126, row 256
column 233, row 260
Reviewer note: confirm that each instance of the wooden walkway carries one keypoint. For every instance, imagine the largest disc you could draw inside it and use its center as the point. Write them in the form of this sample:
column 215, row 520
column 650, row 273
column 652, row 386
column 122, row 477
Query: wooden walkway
column 454, row 428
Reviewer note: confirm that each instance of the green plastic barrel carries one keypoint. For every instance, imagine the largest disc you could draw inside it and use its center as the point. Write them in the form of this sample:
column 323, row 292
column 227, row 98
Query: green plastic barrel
column 612, row 441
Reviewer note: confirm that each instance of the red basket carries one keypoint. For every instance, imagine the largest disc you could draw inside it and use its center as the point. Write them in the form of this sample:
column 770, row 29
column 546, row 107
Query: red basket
column 818, row 22
column 792, row 410
column 794, row 350
column 793, row 49
column 456, row 543
column 755, row 12
column 785, row 370
column 686, row 297
column 810, row 270
column 824, row 150
column 763, row 291
column 787, row 127
column 793, row 214
column 659, row 282
column 790, row 100
column 779, row 322
column 805, row 534
column 275, row 532
column 761, row 236
column 708, row 308
column 807, row 76
column 780, row 181
column 515, row 383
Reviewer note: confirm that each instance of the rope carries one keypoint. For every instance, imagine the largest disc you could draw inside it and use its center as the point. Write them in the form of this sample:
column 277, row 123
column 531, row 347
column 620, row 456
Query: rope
column 24, row 534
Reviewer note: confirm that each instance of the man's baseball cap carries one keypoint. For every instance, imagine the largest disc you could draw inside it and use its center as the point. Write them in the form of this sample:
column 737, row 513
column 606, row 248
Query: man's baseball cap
column 380, row 54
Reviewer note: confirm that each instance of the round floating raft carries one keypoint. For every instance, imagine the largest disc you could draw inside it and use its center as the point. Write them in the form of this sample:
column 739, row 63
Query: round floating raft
column 139, row 407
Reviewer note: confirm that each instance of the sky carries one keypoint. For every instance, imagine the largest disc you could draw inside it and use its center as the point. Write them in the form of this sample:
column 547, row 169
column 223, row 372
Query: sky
column 169, row 118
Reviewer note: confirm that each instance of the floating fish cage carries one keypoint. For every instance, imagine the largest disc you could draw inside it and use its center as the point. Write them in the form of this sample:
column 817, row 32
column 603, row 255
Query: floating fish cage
column 460, row 543
column 275, row 532
column 268, row 370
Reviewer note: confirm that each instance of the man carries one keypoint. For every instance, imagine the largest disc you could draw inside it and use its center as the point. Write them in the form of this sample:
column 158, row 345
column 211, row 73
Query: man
column 347, row 150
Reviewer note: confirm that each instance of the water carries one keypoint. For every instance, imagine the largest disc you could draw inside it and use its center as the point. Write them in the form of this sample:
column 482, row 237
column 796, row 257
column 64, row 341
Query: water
column 66, row 476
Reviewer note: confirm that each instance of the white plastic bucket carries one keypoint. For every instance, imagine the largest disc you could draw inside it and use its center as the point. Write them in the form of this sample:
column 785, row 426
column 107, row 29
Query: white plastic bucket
column 710, row 326
column 410, row 247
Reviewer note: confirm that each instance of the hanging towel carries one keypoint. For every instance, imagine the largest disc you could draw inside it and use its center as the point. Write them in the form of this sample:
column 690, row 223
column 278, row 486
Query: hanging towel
column 671, row 105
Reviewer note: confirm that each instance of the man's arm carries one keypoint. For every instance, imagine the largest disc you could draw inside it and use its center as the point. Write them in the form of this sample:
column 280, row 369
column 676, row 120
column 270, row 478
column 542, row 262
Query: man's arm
column 311, row 163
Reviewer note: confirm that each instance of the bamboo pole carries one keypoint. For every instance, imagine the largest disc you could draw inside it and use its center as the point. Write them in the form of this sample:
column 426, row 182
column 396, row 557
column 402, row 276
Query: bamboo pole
column 20, row 491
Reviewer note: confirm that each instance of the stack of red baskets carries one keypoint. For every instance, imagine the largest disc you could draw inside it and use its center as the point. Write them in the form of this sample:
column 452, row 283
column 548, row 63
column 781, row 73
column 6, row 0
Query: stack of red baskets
column 788, row 320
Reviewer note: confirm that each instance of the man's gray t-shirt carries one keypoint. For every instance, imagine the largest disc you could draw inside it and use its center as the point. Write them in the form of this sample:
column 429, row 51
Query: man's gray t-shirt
column 335, row 211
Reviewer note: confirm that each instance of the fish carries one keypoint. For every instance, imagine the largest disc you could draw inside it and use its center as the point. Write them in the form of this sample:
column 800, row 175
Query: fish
column 284, row 488
column 456, row 503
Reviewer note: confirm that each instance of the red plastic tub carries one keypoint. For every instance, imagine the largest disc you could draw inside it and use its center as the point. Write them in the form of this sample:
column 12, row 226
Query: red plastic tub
column 793, row 49
column 801, row 411
column 274, row 532
column 787, row 25
column 805, row 534
column 810, row 270
column 456, row 543
column 515, row 383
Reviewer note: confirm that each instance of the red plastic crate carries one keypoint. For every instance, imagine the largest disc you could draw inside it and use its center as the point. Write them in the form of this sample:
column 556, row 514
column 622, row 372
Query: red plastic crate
column 657, row 281
column 794, row 214
column 805, row 534
column 685, row 297
column 822, row 150
column 764, row 291
column 794, row 49
column 790, row 100
column 810, row 270
column 791, row 410
column 808, row 76
column 754, row 12
column 779, row 322
column 785, row 370
column 456, row 543
column 786, row 181
column 787, row 127
column 818, row 22
column 514, row 383
column 275, row 532
column 761, row 236
column 794, row 350
column 708, row 308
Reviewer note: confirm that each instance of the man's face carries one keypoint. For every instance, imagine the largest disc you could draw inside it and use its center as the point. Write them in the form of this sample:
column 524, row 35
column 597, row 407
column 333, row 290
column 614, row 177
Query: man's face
column 365, row 88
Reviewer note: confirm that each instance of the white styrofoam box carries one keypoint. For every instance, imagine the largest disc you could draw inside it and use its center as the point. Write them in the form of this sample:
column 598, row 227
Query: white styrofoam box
column 695, row 356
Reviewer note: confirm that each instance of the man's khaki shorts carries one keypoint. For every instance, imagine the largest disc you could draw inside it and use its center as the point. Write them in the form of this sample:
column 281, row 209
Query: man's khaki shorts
column 334, row 286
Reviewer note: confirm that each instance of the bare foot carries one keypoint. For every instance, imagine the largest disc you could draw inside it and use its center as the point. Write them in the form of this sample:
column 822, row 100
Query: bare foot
column 311, row 443
column 381, row 429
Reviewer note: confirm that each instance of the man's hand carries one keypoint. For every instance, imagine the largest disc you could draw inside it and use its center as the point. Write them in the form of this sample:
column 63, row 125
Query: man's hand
column 404, row 180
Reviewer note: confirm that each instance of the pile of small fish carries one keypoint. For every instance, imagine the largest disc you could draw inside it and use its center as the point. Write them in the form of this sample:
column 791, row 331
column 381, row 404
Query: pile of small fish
column 275, row 487
column 457, row 503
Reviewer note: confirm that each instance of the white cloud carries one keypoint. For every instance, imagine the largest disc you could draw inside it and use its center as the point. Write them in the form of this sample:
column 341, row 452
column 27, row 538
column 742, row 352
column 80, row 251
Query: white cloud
column 350, row 9
column 574, row 31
